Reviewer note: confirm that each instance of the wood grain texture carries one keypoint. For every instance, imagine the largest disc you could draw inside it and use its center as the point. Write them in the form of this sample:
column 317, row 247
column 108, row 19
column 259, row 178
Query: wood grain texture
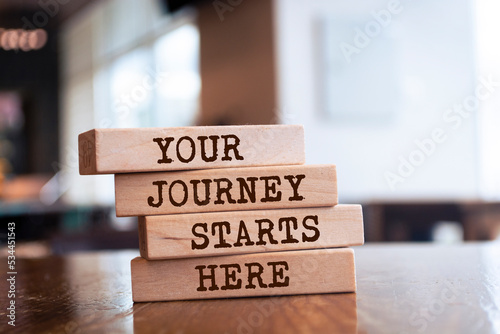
column 87, row 158
column 263, row 274
column 111, row 151
column 239, row 232
column 227, row 189
column 334, row 313
column 401, row 288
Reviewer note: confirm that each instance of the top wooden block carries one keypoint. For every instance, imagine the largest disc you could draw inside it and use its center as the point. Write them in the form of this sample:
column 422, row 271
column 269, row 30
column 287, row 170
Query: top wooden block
column 112, row 151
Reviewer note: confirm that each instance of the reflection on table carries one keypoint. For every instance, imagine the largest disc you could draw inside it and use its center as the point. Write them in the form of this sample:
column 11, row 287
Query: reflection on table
column 401, row 289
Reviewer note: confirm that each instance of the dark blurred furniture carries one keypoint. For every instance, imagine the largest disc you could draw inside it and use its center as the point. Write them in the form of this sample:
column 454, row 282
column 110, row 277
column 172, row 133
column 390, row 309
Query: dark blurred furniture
column 65, row 228
column 419, row 288
column 413, row 221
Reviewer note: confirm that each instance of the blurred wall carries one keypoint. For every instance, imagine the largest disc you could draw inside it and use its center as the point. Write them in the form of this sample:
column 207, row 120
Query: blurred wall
column 108, row 43
column 385, row 110
column 424, row 53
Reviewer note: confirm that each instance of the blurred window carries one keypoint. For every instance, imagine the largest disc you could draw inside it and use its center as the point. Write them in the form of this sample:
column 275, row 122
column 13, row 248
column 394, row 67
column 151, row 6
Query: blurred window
column 126, row 63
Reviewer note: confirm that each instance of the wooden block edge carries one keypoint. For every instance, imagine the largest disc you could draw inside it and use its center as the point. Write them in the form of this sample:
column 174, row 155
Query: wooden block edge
column 358, row 210
column 348, row 259
column 100, row 133
column 303, row 141
column 346, row 212
column 143, row 237
column 85, row 157
column 123, row 210
column 335, row 182
column 355, row 281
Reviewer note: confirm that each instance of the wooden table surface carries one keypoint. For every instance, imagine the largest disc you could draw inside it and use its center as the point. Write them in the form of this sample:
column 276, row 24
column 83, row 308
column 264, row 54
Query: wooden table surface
column 402, row 288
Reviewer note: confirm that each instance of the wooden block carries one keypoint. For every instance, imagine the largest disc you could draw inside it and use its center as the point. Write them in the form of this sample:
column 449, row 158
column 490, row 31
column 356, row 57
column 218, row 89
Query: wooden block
column 227, row 189
column 112, row 151
column 262, row 274
column 237, row 232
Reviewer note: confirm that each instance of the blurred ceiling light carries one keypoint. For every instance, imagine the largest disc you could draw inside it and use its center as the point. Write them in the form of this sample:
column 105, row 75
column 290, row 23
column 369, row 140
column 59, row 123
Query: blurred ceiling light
column 23, row 41
column 26, row 40
column 4, row 40
column 37, row 39
column 13, row 38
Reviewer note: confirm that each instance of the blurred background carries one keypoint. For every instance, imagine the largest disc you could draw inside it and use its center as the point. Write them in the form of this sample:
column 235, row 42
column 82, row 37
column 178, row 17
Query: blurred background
column 403, row 96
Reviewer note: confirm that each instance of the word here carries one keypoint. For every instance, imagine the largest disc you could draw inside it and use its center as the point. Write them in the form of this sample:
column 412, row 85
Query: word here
column 263, row 274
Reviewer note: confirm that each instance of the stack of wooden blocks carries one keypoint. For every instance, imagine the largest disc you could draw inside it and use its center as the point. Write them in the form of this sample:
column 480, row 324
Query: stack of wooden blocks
column 227, row 211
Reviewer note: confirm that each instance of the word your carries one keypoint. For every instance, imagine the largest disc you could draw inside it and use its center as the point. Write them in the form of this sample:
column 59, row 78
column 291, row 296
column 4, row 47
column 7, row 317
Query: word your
column 254, row 271
column 372, row 29
column 224, row 186
column 185, row 148
column 265, row 228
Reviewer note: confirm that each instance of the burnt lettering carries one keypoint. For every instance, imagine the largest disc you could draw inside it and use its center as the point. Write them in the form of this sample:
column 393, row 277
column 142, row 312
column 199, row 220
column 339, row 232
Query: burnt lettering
column 270, row 188
column 204, row 156
column 315, row 236
column 151, row 199
column 222, row 242
column 231, row 276
column 295, row 186
column 164, row 147
column 196, row 198
column 224, row 190
column 263, row 231
column 231, row 147
column 287, row 221
column 205, row 242
column 279, row 273
column 250, row 190
column 210, row 277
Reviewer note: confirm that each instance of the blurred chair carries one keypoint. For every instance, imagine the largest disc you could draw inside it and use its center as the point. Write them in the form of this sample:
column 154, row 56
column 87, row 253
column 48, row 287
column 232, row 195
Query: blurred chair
column 415, row 221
